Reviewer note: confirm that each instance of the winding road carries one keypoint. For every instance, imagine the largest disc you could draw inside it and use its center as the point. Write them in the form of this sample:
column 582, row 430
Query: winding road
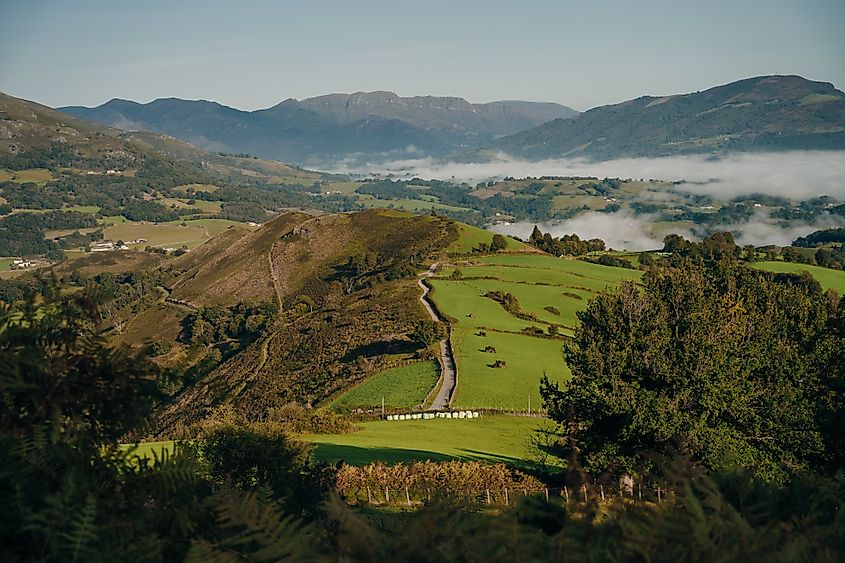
column 449, row 374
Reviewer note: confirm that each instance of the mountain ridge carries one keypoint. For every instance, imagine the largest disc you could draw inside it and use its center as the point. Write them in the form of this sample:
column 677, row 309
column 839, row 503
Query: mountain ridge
column 328, row 127
column 775, row 112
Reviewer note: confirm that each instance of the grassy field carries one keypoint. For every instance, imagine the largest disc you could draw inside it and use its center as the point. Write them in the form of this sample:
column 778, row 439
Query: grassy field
column 157, row 234
column 538, row 282
column 6, row 264
column 199, row 205
column 113, row 220
column 346, row 188
column 495, row 438
column 89, row 209
column 526, row 359
column 402, row 387
column 469, row 237
column 829, row 279
column 38, row 176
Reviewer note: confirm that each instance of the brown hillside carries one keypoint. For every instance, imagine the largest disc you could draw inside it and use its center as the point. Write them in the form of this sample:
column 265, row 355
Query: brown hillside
column 337, row 324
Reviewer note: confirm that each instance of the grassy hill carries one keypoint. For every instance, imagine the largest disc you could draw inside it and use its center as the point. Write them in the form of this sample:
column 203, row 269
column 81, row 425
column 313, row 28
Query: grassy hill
column 549, row 292
column 828, row 278
column 762, row 113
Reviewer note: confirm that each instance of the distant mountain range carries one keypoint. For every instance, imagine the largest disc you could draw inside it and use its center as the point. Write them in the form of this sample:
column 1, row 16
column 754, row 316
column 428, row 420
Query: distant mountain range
column 770, row 113
column 332, row 127
column 764, row 113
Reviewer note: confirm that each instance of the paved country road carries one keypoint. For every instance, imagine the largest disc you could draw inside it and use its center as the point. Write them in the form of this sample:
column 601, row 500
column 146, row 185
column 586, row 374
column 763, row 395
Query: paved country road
column 447, row 359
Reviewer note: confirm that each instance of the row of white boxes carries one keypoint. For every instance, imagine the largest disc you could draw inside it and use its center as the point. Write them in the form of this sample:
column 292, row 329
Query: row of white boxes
column 430, row 415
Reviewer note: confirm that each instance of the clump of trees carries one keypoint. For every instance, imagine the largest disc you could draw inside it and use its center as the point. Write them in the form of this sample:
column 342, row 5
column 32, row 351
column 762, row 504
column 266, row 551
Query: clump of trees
column 821, row 237
column 22, row 234
column 215, row 323
column 567, row 245
column 497, row 243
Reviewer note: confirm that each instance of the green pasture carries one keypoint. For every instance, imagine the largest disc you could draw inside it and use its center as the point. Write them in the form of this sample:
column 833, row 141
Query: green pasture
column 346, row 188
column 542, row 268
column 401, row 387
column 469, row 237
column 493, row 438
column 157, row 234
column 828, row 278
column 480, row 385
column 89, row 209
column 216, row 226
column 465, row 302
column 113, row 220
column 533, row 299
column 538, row 281
column 38, row 176
column 199, row 205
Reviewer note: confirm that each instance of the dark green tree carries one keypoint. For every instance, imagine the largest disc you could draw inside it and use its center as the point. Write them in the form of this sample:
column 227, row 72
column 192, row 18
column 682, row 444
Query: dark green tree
column 725, row 364
column 498, row 243
column 428, row 332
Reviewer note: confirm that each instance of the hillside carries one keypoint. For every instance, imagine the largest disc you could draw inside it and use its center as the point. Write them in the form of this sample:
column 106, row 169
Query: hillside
column 345, row 287
column 84, row 183
column 328, row 127
column 764, row 113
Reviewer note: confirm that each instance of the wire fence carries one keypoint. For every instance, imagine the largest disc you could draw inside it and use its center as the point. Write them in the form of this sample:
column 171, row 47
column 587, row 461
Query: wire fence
column 376, row 495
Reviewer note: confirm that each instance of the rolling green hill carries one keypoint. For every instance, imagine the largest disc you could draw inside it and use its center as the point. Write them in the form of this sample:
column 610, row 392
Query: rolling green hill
column 548, row 291
column 828, row 278
column 756, row 114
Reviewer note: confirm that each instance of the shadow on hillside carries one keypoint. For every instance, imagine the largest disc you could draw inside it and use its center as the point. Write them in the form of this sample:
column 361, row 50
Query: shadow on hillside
column 380, row 348
column 357, row 455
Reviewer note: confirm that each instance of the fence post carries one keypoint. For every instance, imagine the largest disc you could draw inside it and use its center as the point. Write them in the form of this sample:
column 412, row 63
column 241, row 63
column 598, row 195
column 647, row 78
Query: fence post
column 585, row 492
column 507, row 500
column 386, row 495
column 640, row 488
column 488, row 495
column 547, row 495
column 407, row 496
column 658, row 495
column 601, row 489
column 369, row 496
column 566, row 494
column 428, row 493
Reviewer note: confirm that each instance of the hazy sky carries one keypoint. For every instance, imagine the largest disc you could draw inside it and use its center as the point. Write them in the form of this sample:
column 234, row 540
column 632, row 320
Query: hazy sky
column 254, row 54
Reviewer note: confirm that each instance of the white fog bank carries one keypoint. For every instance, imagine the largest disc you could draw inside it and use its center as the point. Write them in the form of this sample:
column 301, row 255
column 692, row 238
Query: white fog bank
column 796, row 174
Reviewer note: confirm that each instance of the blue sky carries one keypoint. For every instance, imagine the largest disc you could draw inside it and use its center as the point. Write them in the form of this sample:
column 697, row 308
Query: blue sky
column 254, row 54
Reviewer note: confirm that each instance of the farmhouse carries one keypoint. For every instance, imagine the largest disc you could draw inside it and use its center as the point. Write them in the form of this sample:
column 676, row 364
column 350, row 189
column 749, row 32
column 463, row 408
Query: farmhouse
column 101, row 246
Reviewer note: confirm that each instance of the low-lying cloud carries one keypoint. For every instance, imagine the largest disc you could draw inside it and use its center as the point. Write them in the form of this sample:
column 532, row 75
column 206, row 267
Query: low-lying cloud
column 621, row 230
column 796, row 175
column 624, row 230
